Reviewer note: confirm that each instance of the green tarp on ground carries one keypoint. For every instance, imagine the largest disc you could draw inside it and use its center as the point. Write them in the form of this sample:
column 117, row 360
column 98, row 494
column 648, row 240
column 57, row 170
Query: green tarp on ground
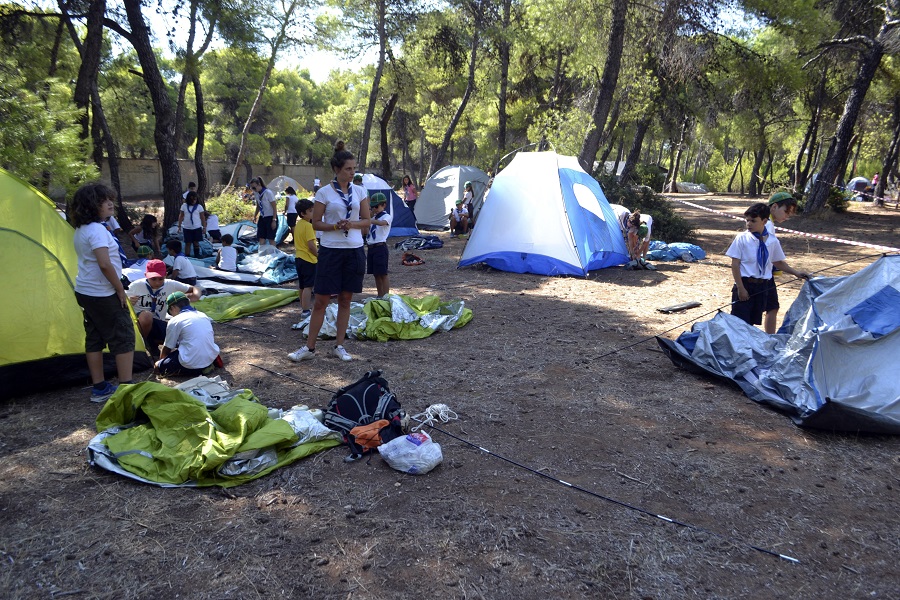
column 227, row 308
column 166, row 436
column 382, row 323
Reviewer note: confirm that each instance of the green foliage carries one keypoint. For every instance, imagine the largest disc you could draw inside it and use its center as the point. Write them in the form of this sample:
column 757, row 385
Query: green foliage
column 838, row 200
column 230, row 207
column 668, row 225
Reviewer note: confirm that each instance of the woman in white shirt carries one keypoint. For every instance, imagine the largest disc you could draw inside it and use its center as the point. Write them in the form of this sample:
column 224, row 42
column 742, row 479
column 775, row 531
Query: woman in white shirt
column 341, row 213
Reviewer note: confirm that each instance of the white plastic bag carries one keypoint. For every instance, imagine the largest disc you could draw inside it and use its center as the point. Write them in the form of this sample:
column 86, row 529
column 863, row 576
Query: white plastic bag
column 415, row 453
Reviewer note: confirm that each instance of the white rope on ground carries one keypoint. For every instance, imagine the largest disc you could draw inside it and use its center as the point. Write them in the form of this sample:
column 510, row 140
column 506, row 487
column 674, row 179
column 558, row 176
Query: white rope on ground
column 432, row 414
column 800, row 233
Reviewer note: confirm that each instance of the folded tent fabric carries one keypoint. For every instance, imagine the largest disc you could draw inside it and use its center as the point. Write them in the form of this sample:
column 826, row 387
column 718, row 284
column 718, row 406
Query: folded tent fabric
column 227, row 308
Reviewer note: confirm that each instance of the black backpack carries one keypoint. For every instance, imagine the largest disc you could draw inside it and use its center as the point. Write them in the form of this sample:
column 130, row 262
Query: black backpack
column 367, row 400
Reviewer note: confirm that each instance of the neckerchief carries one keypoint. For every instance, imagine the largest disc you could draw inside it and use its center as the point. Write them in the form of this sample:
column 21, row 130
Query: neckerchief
column 192, row 208
column 373, row 227
column 762, row 252
column 348, row 199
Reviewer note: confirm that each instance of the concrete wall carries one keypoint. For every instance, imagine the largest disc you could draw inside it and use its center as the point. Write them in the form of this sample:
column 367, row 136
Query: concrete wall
column 143, row 177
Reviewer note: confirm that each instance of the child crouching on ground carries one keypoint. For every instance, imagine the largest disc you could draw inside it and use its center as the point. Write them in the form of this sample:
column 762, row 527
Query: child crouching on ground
column 190, row 347
column 306, row 255
column 182, row 268
column 149, row 295
column 753, row 254
column 377, row 239
column 226, row 257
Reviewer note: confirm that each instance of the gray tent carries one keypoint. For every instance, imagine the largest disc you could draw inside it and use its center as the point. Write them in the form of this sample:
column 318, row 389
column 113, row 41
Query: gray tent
column 443, row 189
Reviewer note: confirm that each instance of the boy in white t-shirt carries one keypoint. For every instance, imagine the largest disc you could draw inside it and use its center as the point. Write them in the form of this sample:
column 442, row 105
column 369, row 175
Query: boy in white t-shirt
column 148, row 296
column 753, row 254
column 182, row 268
column 377, row 260
column 190, row 347
column 226, row 257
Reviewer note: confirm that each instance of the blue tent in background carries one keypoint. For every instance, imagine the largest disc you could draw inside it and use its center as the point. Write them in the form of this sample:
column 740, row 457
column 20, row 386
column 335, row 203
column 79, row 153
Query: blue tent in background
column 545, row 215
column 404, row 221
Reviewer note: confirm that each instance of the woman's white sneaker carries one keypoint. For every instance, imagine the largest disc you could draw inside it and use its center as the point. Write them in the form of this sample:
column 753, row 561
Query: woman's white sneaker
column 302, row 353
column 341, row 353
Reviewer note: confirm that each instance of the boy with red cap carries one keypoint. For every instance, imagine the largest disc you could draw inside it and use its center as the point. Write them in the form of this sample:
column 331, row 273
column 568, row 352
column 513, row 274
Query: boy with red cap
column 149, row 295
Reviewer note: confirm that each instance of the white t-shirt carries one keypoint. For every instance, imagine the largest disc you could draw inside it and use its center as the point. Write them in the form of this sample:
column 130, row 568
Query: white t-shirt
column 745, row 246
column 291, row 205
column 191, row 216
column 264, row 201
column 155, row 302
column 212, row 223
column 336, row 210
column 459, row 212
column 622, row 215
column 770, row 227
column 228, row 258
column 381, row 231
column 182, row 264
column 648, row 221
column 191, row 332
column 90, row 280
column 113, row 225
column 467, row 197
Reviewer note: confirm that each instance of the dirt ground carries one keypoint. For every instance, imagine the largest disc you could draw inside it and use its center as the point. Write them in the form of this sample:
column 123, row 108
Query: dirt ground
column 559, row 374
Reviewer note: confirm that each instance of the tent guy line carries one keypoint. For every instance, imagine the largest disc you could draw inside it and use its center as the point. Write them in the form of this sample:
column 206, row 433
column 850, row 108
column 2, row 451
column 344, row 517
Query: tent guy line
column 567, row 484
column 800, row 233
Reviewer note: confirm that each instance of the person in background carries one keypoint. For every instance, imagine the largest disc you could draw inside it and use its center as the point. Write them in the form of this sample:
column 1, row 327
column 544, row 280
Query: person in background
column 190, row 346
column 99, row 290
column 212, row 226
column 377, row 260
column 290, row 209
column 317, row 183
column 306, row 255
column 753, row 253
column 410, row 193
column 782, row 206
column 640, row 230
column 146, row 234
column 341, row 213
column 226, row 257
column 192, row 187
column 192, row 218
column 469, row 201
column 182, row 268
column 459, row 219
column 622, row 217
column 267, row 211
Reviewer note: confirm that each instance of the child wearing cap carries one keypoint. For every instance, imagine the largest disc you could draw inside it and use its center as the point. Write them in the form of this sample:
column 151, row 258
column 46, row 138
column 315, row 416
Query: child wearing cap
column 190, row 347
column 459, row 219
column 148, row 296
column 182, row 268
column 640, row 230
column 377, row 260
column 753, row 254
column 782, row 206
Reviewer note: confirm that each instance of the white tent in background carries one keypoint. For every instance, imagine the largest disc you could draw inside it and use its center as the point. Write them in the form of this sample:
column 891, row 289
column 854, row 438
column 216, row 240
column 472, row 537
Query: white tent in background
column 546, row 215
column 443, row 189
column 281, row 183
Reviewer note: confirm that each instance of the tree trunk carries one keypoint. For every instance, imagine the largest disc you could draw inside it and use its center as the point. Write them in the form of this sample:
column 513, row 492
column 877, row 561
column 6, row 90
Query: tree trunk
column 737, row 165
column 620, row 152
column 768, row 172
column 438, row 159
column 280, row 39
column 164, row 128
column 380, row 26
column 635, row 151
column 890, row 159
column 503, row 52
column 697, row 160
column 605, row 155
column 855, row 160
column 760, row 155
column 90, row 51
column 202, row 179
column 673, row 172
column 801, row 173
column 191, row 67
column 608, row 83
column 837, row 151
column 383, row 124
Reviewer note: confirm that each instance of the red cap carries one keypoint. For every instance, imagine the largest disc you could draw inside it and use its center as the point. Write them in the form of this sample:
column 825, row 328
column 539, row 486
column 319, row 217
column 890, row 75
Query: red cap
column 155, row 268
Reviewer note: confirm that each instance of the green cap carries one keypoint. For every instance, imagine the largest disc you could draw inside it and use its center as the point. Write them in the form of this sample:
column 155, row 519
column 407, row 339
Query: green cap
column 175, row 297
column 458, row 202
column 780, row 197
column 467, row 184
column 357, row 177
column 376, row 199
column 145, row 251
column 643, row 231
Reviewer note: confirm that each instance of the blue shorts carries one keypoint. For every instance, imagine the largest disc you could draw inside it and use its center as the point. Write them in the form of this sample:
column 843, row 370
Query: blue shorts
column 291, row 219
column 306, row 273
column 157, row 333
column 763, row 298
column 264, row 229
column 193, row 236
column 377, row 260
column 215, row 234
column 340, row 270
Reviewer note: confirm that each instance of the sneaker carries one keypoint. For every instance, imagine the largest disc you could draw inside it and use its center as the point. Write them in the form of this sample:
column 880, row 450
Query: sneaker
column 341, row 353
column 102, row 394
column 302, row 353
column 305, row 314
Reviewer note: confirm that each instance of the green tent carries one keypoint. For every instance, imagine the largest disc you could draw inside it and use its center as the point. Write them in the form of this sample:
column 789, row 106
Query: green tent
column 41, row 327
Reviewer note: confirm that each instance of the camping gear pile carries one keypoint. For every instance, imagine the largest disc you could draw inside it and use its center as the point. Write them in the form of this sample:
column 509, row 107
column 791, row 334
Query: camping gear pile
column 830, row 366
